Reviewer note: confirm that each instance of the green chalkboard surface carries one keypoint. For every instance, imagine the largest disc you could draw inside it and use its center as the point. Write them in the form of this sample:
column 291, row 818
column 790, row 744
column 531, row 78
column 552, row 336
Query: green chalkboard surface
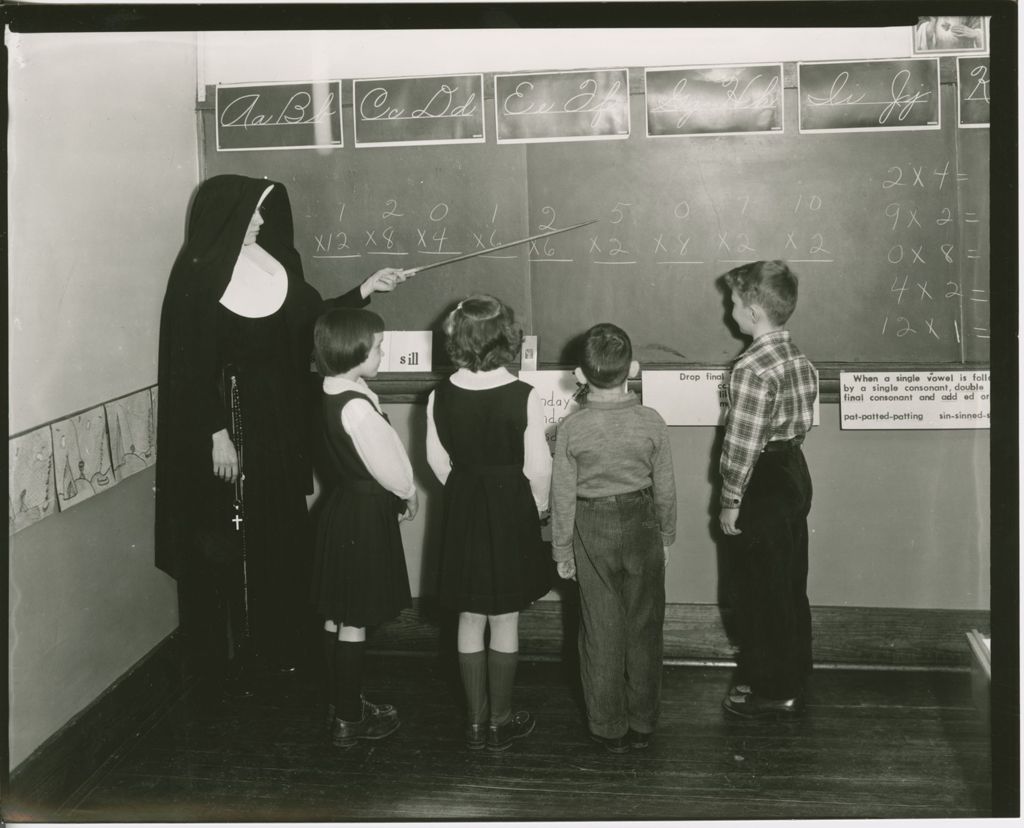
column 888, row 231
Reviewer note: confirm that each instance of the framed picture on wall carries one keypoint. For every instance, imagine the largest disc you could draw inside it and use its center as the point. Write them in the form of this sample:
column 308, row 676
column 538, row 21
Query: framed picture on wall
column 950, row 34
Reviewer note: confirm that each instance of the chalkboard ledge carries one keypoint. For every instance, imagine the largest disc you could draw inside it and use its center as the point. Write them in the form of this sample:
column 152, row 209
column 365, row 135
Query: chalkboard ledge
column 415, row 387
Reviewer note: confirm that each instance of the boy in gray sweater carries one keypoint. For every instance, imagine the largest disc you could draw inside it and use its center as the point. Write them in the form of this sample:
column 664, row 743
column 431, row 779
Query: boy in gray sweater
column 613, row 517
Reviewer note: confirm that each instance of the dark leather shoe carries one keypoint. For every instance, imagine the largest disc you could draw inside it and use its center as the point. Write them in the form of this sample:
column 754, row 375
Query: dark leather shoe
column 618, row 744
column 501, row 737
column 346, row 734
column 638, row 740
column 751, row 706
column 476, row 736
column 381, row 711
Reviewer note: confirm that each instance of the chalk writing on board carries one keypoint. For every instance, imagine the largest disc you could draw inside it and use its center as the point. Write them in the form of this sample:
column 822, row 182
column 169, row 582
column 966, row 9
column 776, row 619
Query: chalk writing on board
column 866, row 95
column 927, row 297
column 423, row 110
column 278, row 116
column 561, row 106
column 714, row 100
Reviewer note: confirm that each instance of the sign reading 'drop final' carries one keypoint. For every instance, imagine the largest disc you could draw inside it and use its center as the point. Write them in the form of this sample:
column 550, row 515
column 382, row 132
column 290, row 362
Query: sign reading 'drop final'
column 436, row 110
column 914, row 399
column 714, row 100
column 279, row 116
column 696, row 397
column 972, row 91
column 869, row 95
column 562, row 106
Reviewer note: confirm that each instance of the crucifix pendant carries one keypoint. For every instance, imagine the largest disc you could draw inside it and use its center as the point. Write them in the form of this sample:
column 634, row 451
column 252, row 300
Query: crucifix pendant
column 237, row 519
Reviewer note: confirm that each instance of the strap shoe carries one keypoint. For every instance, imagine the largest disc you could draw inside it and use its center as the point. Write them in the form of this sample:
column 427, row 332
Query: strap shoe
column 346, row 734
column 501, row 737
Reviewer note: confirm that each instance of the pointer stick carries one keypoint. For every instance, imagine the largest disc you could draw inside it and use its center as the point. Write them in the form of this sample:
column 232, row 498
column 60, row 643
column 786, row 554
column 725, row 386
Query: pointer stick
column 411, row 270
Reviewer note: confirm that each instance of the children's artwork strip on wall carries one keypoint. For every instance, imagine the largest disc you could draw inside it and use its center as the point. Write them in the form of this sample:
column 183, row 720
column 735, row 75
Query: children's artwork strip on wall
column 31, row 492
column 65, row 461
column 132, row 431
column 81, row 454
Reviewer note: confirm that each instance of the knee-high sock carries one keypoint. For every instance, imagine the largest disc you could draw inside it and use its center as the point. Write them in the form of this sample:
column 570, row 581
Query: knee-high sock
column 330, row 639
column 501, row 674
column 348, row 702
column 473, row 669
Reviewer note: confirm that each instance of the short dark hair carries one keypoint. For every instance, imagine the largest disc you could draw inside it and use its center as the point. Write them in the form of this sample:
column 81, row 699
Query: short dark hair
column 482, row 333
column 772, row 285
column 342, row 339
column 607, row 353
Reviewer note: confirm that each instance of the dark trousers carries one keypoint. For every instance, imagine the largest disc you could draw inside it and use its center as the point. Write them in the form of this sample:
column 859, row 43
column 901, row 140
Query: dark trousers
column 620, row 567
column 770, row 557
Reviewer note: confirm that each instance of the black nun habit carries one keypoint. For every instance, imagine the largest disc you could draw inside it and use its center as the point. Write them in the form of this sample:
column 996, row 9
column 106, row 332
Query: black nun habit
column 203, row 345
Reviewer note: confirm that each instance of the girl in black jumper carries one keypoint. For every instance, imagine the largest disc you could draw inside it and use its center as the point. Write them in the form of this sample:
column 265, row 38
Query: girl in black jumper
column 486, row 444
column 360, row 578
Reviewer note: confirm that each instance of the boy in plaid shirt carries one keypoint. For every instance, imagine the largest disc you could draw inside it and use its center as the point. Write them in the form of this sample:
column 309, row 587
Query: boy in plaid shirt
column 766, row 494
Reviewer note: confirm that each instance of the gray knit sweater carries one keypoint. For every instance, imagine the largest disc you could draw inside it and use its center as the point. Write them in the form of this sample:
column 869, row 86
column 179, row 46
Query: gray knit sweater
column 610, row 448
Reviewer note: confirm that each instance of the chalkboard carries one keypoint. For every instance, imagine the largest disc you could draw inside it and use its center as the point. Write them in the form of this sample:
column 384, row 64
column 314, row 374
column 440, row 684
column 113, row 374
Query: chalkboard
column 887, row 230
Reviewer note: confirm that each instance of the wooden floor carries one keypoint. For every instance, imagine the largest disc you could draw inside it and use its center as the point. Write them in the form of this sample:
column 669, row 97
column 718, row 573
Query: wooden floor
column 872, row 744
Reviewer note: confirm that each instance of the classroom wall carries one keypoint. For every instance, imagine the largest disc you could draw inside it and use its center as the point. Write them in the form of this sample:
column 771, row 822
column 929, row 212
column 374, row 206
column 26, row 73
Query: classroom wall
column 102, row 161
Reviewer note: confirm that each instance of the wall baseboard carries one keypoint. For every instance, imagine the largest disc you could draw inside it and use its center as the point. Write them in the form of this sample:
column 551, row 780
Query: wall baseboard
column 44, row 781
column 875, row 636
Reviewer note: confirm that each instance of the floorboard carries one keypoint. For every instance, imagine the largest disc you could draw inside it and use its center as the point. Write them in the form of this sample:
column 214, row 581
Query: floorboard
column 871, row 744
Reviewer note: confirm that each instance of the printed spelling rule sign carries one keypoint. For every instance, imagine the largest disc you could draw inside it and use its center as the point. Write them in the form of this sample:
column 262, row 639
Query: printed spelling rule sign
column 556, row 390
column 914, row 399
column 695, row 397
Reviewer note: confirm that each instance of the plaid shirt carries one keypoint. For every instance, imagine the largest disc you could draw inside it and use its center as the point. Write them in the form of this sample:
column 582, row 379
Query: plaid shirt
column 772, row 390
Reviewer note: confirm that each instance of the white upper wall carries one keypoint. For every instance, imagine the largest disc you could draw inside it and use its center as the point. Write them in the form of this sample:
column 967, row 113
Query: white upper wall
column 241, row 57
column 102, row 159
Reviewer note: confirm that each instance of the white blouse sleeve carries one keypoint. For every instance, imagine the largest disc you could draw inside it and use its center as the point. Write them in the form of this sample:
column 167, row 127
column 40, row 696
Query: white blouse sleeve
column 536, row 454
column 437, row 457
column 379, row 447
